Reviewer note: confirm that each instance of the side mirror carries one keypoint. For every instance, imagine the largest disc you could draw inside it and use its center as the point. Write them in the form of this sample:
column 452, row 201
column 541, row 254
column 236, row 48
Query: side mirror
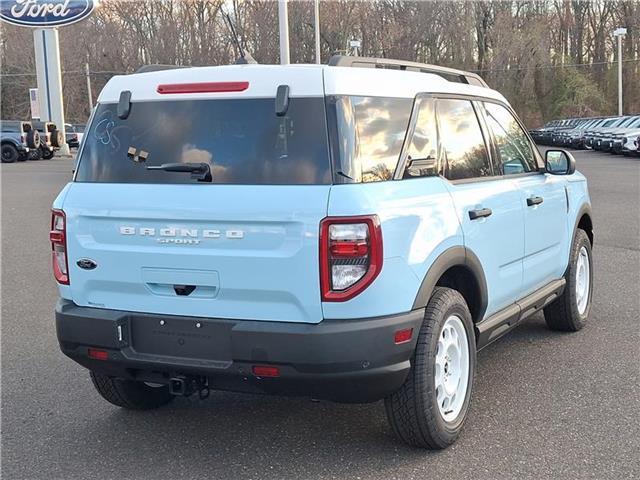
column 559, row 162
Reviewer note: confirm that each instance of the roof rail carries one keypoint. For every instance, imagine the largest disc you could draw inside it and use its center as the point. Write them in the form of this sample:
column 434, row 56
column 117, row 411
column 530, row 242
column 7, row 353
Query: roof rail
column 450, row 74
column 157, row 67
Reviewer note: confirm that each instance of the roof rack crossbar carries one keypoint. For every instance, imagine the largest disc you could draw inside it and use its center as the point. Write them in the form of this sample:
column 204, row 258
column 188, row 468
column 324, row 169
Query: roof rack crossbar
column 450, row 74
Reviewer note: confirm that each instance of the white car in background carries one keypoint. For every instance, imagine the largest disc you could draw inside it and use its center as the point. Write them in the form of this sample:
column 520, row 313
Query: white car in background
column 627, row 143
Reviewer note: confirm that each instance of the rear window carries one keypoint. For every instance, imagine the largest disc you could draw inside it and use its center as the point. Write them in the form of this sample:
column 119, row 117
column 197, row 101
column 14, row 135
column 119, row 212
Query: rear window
column 242, row 140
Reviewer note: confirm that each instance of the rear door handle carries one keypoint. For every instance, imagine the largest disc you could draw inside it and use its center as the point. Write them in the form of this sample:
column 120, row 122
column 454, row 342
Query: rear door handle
column 480, row 213
column 531, row 201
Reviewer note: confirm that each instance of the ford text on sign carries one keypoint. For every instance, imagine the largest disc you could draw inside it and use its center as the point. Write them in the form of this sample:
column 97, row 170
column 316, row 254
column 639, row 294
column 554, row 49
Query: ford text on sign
column 45, row 13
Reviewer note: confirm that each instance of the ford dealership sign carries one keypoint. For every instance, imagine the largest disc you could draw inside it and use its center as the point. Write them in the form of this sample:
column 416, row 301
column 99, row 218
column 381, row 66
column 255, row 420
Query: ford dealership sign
column 45, row 13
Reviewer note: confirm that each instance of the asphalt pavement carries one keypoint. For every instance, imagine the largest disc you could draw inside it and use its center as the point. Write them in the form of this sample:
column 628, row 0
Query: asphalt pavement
column 545, row 404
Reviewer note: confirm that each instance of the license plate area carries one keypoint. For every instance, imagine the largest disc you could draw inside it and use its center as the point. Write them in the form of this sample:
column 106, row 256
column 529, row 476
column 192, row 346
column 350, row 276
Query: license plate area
column 181, row 338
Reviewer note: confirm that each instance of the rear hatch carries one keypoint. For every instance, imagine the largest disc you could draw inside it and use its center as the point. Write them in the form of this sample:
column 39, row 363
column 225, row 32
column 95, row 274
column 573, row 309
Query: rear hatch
column 242, row 246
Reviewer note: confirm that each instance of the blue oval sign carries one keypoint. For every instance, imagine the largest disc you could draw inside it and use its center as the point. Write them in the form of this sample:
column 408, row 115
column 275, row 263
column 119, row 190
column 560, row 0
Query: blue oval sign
column 45, row 13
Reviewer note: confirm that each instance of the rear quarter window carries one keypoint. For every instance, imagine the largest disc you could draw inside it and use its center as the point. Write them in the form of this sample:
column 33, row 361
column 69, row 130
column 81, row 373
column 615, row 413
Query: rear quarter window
column 368, row 133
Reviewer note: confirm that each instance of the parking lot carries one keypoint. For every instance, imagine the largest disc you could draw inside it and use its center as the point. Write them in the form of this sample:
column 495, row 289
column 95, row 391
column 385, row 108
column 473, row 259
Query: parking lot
column 546, row 405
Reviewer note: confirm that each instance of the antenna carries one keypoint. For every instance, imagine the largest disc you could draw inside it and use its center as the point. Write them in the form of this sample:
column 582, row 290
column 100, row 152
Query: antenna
column 234, row 34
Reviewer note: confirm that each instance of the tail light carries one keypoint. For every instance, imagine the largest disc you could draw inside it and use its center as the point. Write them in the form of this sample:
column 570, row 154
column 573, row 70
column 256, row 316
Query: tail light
column 58, row 237
column 350, row 256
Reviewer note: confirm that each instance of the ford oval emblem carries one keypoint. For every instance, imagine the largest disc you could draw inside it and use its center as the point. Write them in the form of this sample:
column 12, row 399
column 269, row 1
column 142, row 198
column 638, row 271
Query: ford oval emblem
column 86, row 264
column 45, row 13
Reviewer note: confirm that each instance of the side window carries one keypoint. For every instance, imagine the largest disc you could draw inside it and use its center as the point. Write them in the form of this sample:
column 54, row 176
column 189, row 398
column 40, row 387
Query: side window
column 422, row 153
column 514, row 150
column 462, row 140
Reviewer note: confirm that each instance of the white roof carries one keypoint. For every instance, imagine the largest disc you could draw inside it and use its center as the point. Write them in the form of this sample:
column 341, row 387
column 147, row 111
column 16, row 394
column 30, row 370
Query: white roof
column 303, row 80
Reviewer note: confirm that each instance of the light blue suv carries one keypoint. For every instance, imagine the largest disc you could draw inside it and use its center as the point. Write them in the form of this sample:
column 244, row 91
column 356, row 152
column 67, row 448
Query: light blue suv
column 351, row 232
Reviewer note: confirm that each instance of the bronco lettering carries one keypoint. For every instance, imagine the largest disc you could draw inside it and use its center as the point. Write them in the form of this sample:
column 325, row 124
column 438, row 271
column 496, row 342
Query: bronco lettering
column 178, row 233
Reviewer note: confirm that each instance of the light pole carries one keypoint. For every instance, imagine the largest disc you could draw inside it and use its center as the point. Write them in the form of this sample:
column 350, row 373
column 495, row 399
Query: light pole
column 316, row 27
column 283, row 20
column 620, row 32
column 87, row 72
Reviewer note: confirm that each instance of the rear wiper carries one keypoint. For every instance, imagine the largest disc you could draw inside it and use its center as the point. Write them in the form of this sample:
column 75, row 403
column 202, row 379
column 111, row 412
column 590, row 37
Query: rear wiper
column 199, row 171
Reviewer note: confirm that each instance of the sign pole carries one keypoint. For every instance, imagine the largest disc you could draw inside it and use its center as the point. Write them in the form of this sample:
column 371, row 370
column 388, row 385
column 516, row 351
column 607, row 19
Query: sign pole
column 47, row 49
column 41, row 74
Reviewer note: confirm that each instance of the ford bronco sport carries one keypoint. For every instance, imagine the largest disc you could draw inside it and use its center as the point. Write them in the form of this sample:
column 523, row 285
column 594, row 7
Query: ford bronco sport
column 350, row 232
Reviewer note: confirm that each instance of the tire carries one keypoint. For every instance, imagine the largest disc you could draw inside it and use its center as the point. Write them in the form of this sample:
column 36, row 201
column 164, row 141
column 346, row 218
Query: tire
column 57, row 139
column 47, row 154
column 130, row 394
column 569, row 312
column 10, row 153
column 413, row 411
column 33, row 138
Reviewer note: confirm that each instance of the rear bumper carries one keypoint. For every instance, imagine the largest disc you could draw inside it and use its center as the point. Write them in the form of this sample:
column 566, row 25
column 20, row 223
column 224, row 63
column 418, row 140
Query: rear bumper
column 340, row 360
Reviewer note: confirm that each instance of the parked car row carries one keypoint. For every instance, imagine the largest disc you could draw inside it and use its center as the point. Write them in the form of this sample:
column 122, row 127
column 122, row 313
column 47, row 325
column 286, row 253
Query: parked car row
column 35, row 140
column 608, row 134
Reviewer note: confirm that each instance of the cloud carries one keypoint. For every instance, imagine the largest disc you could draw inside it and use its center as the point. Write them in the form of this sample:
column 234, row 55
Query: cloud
column 191, row 154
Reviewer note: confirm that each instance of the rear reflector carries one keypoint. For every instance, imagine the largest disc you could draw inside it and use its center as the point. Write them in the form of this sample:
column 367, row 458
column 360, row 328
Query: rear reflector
column 98, row 354
column 206, row 87
column 349, row 249
column 56, row 237
column 265, row 371
column 403, row 336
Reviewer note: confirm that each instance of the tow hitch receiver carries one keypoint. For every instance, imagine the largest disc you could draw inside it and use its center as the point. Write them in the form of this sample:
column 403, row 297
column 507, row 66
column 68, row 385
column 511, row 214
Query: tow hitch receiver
column 187, row 386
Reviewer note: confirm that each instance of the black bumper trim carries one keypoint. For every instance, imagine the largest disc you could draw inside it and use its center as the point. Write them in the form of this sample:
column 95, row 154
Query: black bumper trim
column 344, row 360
